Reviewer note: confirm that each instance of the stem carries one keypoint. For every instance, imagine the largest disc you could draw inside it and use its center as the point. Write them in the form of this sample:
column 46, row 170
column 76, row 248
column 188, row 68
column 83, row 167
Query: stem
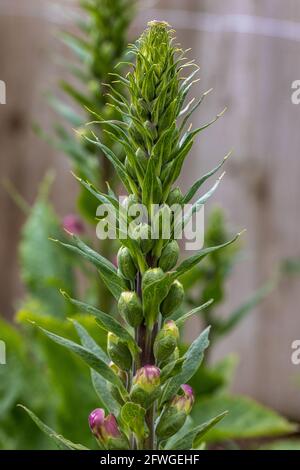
column 145, row 339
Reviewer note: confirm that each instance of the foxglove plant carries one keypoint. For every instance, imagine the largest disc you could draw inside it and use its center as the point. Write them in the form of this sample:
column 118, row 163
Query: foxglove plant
column 142, row 378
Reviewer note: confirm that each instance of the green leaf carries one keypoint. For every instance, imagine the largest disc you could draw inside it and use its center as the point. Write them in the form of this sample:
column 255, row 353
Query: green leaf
column 191, row 364
column 80, row 98
column 67, row 112
column 118, row 165
column 107, row 322
column 197, row 185
column 107, row 270
column 89, row 357
column 282, row 444
column 246, row 418
column 133, row 415
column 60, row 441
column 45, row 266
column 196, row 206
column 193, row 438
column 99, row 383
column 104, row 393
column 77, row 45
column 182, row 319
column 189, row 263
column 88, row 342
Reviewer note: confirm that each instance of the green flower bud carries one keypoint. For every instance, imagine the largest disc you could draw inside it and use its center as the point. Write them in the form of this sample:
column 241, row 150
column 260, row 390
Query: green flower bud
column 130, row 308
column 142, row 233
column 166, row 341
column 146, row 386
column 173, row 300
column 113, row 389
column 151, row 303
column 170, row 422
column 152, row 275
column 172, row 358
column 126, row 264
column 174, row 413
column 169, row 256
column 118, row 352
column 175, row 197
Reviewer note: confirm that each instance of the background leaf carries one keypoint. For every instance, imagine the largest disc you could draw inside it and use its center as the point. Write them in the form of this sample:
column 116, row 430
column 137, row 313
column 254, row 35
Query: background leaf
column 246, row 418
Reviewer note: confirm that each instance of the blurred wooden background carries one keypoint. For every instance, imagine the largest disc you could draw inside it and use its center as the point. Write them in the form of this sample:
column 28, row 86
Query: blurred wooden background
column 250, row 60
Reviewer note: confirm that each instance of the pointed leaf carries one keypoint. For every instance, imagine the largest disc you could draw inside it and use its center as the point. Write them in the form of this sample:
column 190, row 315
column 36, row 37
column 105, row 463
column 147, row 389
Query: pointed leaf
column 192, row 191
column 107, row 270
column 193, row 438
column 60, row 441
column 191, row 364
column 89, row 357
column 189, row 263
column 107, row 322
column 182, row 319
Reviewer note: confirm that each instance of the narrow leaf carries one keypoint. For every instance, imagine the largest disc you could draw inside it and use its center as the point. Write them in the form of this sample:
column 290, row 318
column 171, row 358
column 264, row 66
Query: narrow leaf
column 191, row 364
column 89, row 357
column 180, row 321
column 192, row 439
column 60, row 441
column 197, row 185
column 107, row 270
column 107, row 322
column 189, row 263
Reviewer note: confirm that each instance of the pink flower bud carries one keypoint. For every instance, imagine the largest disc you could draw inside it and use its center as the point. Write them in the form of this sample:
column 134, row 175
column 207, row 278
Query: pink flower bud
column 73, row 224
column 184, row 402
column 107, row 431
column 96, row 420
column 147, row 377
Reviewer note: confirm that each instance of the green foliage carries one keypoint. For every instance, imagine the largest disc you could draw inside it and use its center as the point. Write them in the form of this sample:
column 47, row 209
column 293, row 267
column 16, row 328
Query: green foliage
column 245, row 419
column 60, row 441
column 44, row 266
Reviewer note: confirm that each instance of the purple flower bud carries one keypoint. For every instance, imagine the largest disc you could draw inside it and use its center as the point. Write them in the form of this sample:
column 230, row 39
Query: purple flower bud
column 96, row 420
column 147, row 377
column 103, row 427
column 110, row 427
column 73, row 224
column 184, row 402
column 188, row 391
